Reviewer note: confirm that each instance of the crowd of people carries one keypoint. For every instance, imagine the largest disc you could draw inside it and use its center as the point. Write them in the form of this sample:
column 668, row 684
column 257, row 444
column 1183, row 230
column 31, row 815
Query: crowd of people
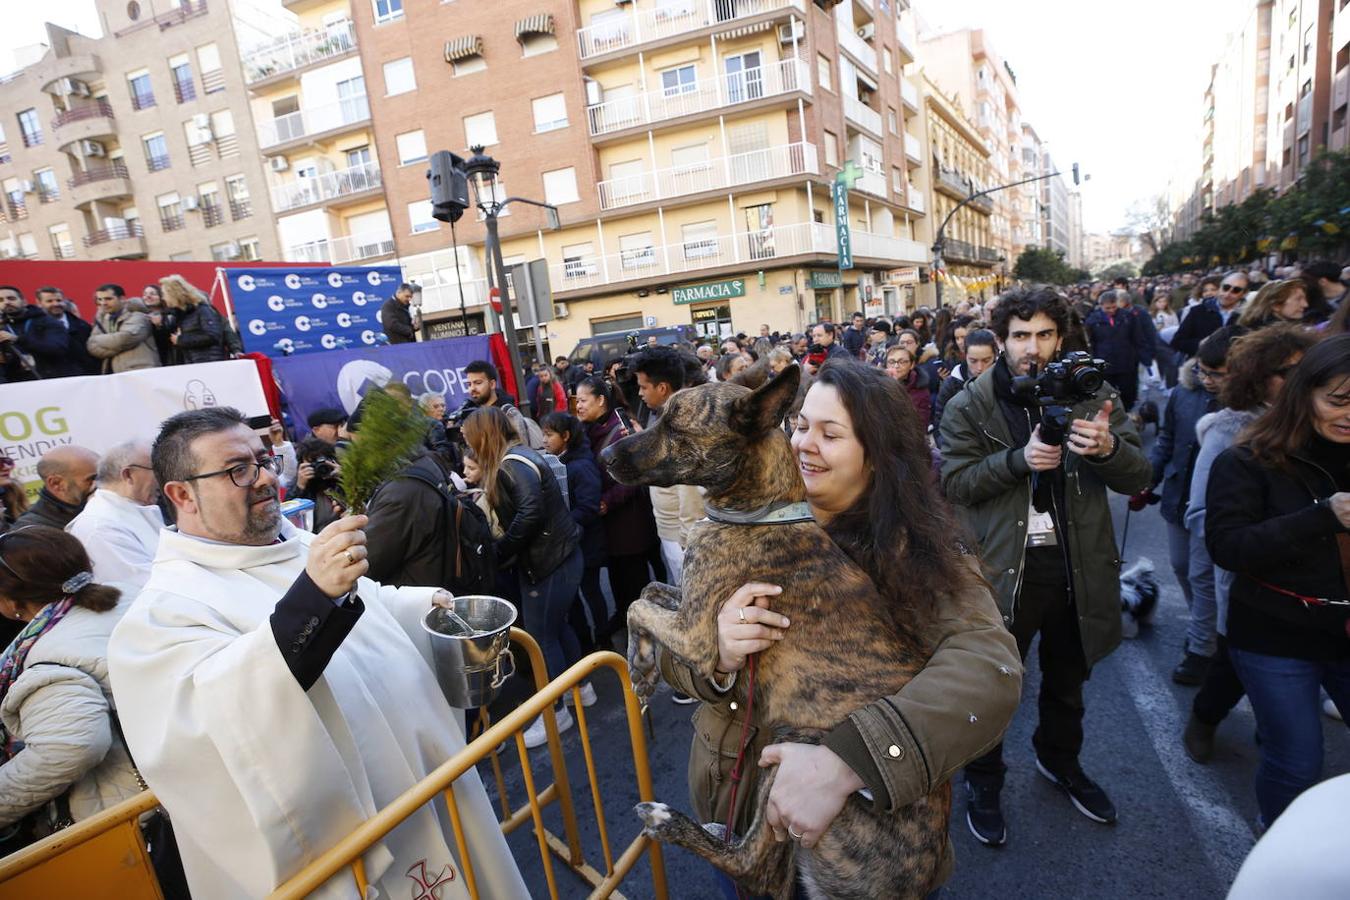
column 151, row 592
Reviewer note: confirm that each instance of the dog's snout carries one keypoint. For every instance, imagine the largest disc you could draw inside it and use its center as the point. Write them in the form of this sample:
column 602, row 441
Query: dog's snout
column 607, row 456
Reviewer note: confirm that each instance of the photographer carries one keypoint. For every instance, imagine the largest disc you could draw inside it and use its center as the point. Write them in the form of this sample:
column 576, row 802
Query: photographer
column 1038, row 508
column 316, row 476
column 823, row 347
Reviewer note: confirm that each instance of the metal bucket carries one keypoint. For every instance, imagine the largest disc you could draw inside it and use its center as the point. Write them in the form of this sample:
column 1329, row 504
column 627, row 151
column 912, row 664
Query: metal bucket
column 471, row 669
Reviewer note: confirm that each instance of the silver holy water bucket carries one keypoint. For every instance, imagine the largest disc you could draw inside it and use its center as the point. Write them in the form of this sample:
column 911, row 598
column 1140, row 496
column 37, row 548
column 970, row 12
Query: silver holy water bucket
column 472, row 668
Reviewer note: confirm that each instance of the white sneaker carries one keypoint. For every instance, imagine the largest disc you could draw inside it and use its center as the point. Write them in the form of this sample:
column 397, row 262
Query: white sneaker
column 1329, row 709
column 588, row 697
column 536, row 735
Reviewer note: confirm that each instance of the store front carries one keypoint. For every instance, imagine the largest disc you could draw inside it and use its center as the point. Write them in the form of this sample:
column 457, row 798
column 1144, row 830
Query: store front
column 826, row 285
column 710, row 306
column 712, row 322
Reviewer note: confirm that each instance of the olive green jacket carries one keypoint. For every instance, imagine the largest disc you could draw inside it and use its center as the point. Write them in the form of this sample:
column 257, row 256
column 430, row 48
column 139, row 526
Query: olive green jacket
column 903, row 747
column 988, row 480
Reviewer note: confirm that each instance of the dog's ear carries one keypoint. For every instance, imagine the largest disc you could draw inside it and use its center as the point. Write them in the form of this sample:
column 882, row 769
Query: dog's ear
column 764, row 409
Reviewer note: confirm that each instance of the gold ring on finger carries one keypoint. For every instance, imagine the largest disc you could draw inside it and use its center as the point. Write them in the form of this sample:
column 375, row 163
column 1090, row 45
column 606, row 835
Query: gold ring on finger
column 741, row 612
column 351, row 557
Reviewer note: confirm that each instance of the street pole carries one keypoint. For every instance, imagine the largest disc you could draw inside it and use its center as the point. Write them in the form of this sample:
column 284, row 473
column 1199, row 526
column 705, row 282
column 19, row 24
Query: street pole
column 508, row 319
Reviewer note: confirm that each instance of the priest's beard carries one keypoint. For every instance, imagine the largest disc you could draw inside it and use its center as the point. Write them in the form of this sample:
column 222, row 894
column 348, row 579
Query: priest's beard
column 260, row 525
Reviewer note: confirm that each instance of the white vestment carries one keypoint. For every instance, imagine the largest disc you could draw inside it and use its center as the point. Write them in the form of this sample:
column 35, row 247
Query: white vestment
column 120, row 537
column 260, row 776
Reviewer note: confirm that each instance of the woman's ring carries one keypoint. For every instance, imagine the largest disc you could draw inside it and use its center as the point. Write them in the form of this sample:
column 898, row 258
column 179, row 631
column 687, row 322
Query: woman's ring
column 351, row 557
column 741, row 612
column 795, row 836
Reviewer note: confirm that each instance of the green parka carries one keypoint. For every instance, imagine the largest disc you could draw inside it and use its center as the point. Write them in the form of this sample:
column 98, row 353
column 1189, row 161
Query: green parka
column 991, row 488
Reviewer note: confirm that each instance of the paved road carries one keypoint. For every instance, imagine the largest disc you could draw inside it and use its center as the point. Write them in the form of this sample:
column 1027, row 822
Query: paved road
column 1184, row 829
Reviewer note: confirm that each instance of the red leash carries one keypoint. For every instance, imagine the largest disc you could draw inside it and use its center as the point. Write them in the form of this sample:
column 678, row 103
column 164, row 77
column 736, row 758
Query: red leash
column 736, row 770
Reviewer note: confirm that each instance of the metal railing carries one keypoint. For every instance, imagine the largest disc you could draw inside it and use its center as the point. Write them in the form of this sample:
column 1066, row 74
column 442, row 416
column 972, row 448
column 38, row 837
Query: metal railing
column 328, row 186
column 872, row 182
column 704, row 95
column 241, row 208
column 156, row 163
column 298, row 49
column 669, row 20
column 48, row 194
column 16, row 209
column 349, row 248
column 104, row 236
column 185, row 10
column 31, row 138
column 712, row 174
column 183, row 91
column 113, row 169
column 97, row 109
column 313, row 120
column 172, row 221
column 213, row 214
column 862, row 115
column 142, row 99
column 213, row 81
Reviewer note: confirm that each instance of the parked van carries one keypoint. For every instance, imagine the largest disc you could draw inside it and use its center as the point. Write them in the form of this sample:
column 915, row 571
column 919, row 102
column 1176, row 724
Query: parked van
column 614, row 344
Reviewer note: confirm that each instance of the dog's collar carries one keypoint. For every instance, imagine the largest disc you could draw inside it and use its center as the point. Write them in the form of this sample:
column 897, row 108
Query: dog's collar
column 779, row 512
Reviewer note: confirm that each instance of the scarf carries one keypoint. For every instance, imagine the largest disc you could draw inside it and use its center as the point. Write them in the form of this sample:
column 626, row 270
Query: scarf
column 16, row 654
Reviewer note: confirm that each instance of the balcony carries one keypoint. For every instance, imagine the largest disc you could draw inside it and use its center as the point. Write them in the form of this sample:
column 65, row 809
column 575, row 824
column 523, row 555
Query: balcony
column 85, row 122
column 241, row 208
column 15, row 209
column 4, row 153
column 142, row 99
column 732, row 89
column 913, row 200
column 874, row 183
column 713, row 174
column 312, row 123
column 990, row 255
column 913, row 150
column 904, row 44
column 344, row 184
column 861, row 51
column 213, row 214
column 157, row 163
column 52, row 69
column 962, row 251
column 116, row 242
column 184, row 91
column 187, row 9
column 354, row 248
column 862, row 115
column 672, row 20
column 291, row 53
column 909, row 95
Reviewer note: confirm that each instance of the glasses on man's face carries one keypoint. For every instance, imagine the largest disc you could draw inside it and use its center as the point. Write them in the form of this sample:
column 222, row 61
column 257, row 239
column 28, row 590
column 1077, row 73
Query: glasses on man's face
column 245, row 474
column 1235, row 288
column 1208, row 374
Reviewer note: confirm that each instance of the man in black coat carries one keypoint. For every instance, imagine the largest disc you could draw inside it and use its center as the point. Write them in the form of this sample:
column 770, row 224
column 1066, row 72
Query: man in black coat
column 407, row 541
column 58, row 338
column 1211, row 315
column 16, row 359
column 1115, row 338
column 396, row 318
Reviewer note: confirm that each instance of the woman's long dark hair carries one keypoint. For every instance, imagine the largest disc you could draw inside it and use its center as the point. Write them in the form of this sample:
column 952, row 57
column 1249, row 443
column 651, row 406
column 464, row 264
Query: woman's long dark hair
column 1287, row 426
column 38, row 559
column 901, row 530
column 567, row 426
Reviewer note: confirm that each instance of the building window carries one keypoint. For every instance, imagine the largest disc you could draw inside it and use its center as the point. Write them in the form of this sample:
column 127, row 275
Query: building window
column 535, row 44
column 62, row 246
column 30, row 127
column 208, row 61
column 480, row 129
column 398, row 77
column 468, row 65
column 387, row 10
column 579, row 261
column 897, row 180
column 142, row 95
column 48, row 189
column 681, row 80
column 700, row 240
column 560, row 186
column 412, row 147
column 831, row 149
column 636, row 251
column 892, row 121
column 887, row 62
column 225, row 252
column 419, row 215
column 824, row 72
column 170, row 212
column 250, row 248
column 180, row 67
column 236, row 188
column 156, row 151
column 550, row 113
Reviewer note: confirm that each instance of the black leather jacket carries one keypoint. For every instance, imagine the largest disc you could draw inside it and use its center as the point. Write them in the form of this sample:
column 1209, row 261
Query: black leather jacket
column 540, row 532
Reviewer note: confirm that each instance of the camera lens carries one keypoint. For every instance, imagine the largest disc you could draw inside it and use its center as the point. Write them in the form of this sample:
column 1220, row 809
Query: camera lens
column 1087, row 380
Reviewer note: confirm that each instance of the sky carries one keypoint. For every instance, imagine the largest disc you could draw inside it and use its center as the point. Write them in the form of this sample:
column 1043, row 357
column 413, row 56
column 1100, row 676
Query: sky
column 1115, row 87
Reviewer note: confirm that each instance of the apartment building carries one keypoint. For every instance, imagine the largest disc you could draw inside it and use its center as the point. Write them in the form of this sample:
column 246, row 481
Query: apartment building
column 1056, row 219
column 965, row 64
column 1027, row 198
column 1300, row 79
column 308, row 96
column 1077, row 252
column 139, row 139
column 957, row 166
column 689, row 146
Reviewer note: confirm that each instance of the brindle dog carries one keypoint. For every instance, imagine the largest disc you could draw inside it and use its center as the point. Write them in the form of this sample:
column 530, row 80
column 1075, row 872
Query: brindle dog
column 841, row 652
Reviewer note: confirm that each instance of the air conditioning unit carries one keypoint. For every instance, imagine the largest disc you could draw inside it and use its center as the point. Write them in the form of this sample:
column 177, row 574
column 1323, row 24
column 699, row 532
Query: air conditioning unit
column 201, row 121
column 796, row 29
column 867, row 31
column 189, row 203
column 560, row 310
column 233, row 250
column 26, row 187
column 594, row 92
column 280, row 163
column 92, row 148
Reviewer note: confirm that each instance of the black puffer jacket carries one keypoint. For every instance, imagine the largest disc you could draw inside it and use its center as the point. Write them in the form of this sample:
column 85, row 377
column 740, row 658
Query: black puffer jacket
column 407, row 536
column 199, row 335
column 1263, row 524
column 540, row 533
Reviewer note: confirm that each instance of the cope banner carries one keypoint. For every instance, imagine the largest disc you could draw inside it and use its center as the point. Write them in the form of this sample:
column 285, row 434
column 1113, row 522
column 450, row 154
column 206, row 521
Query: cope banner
column 101, row 411
column 340, row 380
column 285, row 312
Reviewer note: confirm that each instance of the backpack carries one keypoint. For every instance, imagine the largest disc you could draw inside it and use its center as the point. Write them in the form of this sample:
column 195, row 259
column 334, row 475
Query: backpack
column 475, row 566
column 555, row 465
column 528, row 429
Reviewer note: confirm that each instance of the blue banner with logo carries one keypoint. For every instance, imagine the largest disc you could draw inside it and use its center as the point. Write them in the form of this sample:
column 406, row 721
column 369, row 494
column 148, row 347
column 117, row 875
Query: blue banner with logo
column 340, row 380
column 284, row 312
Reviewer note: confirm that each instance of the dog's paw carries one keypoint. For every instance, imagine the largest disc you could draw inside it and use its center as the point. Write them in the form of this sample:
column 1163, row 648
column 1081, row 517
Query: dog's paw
column 655, row 817
column 642, row 669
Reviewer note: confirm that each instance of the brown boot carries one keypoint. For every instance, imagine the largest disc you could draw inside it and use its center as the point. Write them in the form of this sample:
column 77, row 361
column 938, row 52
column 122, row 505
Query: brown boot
column 1198, row 739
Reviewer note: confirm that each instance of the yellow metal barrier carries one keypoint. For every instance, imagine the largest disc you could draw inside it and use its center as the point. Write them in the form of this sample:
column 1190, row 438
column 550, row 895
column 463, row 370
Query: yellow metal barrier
column 100, row 858
column 104, row 856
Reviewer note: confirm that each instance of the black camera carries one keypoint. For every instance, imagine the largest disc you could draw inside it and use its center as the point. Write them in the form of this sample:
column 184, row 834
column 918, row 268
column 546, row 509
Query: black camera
column 816, row 355
column 326, row 468
column 1075, row 377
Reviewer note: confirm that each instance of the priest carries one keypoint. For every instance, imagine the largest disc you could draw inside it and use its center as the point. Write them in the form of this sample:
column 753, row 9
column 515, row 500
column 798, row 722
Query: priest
column 274, row 699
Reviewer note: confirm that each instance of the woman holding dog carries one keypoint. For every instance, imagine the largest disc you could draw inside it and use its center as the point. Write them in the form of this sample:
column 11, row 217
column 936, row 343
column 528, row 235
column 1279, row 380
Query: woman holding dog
column 864, row 459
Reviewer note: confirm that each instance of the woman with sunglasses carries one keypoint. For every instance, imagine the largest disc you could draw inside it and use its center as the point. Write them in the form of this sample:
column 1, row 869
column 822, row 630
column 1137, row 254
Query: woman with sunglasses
column 1211, row 314
column 60, row 757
